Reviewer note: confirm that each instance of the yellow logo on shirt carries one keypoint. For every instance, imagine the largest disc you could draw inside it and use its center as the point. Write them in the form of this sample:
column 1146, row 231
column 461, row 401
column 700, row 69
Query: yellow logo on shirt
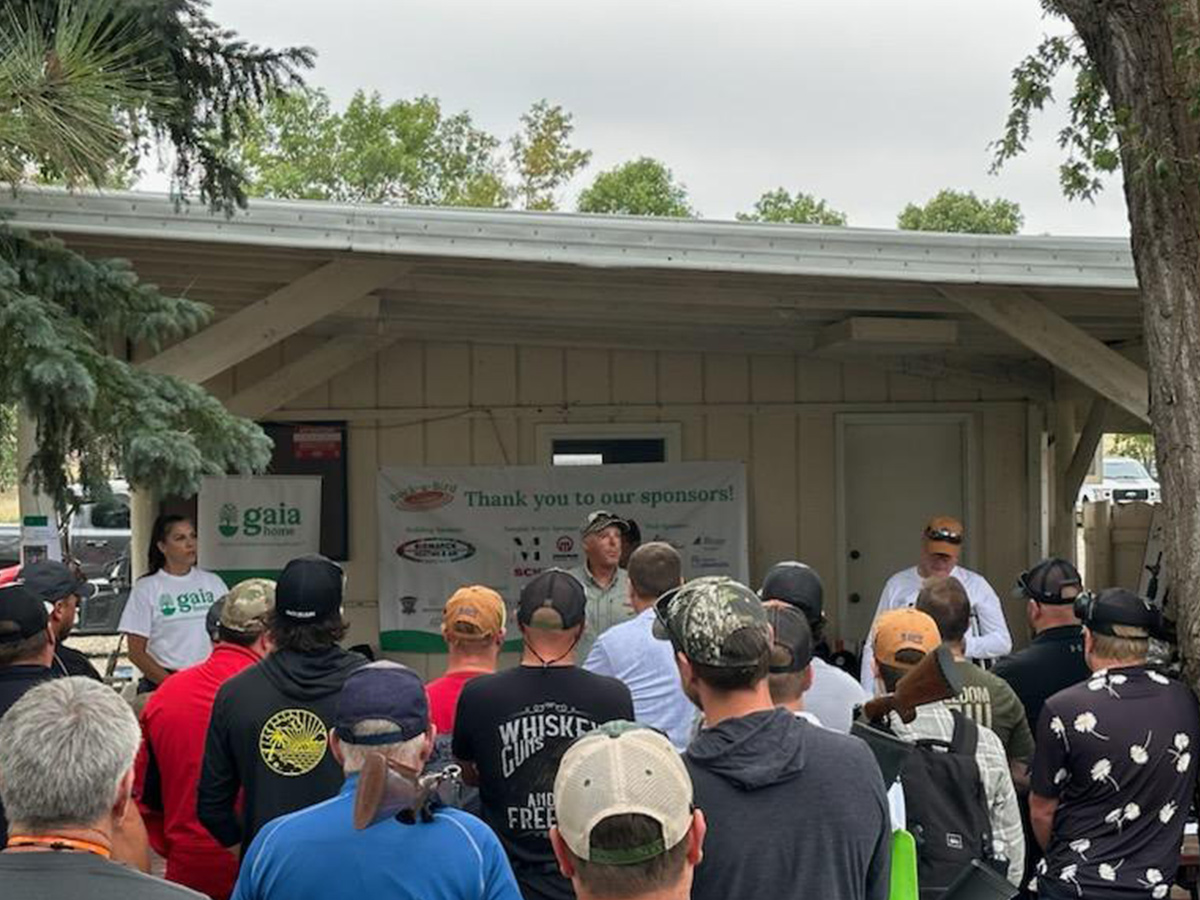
column 293, row 742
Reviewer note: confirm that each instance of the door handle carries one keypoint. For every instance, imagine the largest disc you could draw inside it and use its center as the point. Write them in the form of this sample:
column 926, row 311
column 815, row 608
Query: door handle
column 96, row 543
column 855, row 598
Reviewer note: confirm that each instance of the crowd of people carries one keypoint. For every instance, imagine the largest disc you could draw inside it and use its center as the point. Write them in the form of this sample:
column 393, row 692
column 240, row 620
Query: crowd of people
column 658, row 738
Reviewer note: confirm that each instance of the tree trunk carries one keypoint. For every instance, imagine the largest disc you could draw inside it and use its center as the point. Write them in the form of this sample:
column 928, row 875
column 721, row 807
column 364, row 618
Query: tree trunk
column 1132, row 43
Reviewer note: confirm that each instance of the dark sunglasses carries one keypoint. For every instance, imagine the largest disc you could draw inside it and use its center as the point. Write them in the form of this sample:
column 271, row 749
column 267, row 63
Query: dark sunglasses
column 943, row 534
column 662, row 607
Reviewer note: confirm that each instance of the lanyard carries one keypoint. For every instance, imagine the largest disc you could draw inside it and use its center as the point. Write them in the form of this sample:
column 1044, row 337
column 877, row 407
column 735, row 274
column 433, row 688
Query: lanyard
column 58, row 843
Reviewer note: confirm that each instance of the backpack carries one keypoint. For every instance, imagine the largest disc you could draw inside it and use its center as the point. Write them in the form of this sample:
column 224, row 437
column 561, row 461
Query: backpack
column 946, row 807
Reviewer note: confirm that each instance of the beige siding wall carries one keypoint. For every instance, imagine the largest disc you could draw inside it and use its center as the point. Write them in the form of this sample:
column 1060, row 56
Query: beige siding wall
column 776, row 413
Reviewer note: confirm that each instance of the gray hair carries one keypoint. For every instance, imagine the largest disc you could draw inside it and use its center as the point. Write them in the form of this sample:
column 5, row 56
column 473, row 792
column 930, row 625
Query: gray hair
column 64, row 748
column 406, row 752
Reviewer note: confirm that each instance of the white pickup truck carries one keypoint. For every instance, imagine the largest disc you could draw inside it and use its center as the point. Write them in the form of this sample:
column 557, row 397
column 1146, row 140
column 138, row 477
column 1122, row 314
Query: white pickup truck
column 99, row 534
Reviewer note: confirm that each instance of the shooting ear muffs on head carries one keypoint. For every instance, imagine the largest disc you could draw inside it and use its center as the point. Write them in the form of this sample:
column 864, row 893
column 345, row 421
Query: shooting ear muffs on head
column 1083, row 606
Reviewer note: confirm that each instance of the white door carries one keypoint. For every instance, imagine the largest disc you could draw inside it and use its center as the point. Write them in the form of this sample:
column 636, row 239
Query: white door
column 897, row 472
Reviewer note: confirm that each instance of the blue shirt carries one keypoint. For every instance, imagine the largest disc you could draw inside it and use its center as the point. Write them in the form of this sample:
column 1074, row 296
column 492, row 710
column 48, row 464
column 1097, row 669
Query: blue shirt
column 631, row 653
column 316, row 854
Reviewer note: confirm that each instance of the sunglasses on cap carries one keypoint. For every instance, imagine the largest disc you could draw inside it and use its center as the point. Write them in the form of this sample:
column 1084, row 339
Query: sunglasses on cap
column 944, row 535
column 662, row 608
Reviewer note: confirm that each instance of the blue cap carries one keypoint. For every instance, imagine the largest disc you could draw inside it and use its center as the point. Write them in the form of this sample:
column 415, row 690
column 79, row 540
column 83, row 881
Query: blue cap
column 382, row 690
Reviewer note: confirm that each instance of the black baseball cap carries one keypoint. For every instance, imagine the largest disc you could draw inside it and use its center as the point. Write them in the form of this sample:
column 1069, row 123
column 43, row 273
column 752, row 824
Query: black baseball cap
column 52, row 580
column 1045, row 581
column 23, row 613
column 792, row 639
column 1118, row 607
column 553, row 599
column 309, row 588
column 797, row 585
column 382, row 690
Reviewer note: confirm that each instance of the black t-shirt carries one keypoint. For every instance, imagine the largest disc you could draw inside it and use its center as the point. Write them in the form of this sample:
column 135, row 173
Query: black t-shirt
column 1117, row 752
column 1053, row 661
column 57, row 875
column 515, row 726
column 70, row 662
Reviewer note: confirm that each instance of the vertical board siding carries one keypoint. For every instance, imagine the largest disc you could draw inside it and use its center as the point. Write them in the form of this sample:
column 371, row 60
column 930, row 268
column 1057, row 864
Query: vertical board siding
column 721, row 400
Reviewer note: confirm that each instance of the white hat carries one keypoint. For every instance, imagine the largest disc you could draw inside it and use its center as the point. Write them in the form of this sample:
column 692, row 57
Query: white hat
column 619, row 769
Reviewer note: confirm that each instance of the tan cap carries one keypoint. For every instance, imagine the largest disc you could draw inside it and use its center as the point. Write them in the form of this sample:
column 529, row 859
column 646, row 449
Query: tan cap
column 904, row 629
column 474, row 612
column 944, row 534
column 246, row 605
column 620, row 769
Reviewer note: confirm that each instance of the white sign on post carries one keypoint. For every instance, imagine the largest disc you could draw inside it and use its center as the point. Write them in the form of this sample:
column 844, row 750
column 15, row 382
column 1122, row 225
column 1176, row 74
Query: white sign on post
column 250, row 526
column 442, row 528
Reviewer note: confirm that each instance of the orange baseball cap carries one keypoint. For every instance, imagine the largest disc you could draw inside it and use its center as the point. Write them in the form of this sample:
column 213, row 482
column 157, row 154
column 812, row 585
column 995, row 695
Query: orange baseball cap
column 944, row 534
column 474, row 612
column 904, row 629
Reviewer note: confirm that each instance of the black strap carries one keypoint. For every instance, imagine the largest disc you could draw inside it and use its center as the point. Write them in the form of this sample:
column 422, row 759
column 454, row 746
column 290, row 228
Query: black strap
column 966, row 734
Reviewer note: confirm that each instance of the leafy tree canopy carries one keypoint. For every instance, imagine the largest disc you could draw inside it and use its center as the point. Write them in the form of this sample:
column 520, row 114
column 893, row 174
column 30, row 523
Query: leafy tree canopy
column 642, row 187
column 407, row 151
column 955, row 211
column 83, row 87
column 803, row 209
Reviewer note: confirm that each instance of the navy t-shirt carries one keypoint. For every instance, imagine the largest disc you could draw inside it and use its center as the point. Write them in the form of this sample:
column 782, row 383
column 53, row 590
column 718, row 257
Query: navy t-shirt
column 1119, row 753
column 515, row 727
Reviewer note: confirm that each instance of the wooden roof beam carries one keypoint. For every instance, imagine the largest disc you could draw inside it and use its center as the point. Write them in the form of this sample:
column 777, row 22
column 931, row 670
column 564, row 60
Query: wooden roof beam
column 1063, row 344
column 284, row 312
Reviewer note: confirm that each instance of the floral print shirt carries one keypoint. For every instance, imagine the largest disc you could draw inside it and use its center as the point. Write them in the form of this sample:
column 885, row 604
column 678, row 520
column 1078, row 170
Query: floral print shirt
column 1118, row 751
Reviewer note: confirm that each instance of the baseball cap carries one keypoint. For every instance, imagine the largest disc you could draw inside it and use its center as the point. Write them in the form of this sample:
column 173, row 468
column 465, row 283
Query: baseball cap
column 944, row 534
column 23, row 613
column 622, row 769
column 1117, row 606
column 244, row 609
column 904, row 629
column 309, row 588
column 601, row 519
column 792, row 639
column 52, row 580
column 1045, row 581
column 700, row 617
column 552, row 599
column 796, row 584
column 382, row 690
column 473, row 612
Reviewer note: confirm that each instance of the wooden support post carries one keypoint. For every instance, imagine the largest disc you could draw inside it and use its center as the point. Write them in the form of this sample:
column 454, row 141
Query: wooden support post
column 1062, row 524
column 1064, row 344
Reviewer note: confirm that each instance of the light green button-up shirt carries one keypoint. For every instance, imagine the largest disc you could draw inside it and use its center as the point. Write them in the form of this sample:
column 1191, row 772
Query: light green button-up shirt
column 606, row 607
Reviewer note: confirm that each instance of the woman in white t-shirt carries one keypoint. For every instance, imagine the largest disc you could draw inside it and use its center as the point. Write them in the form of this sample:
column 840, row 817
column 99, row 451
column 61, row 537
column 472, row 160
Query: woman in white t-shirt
column 164, row 618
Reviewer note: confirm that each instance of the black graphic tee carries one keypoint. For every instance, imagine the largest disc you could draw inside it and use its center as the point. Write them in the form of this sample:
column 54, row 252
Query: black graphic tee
column 515, row 726
column 1117, row 751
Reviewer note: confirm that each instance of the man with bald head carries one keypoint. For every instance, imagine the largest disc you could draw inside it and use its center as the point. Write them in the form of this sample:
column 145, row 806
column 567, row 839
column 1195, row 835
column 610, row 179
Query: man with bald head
column 941, row 544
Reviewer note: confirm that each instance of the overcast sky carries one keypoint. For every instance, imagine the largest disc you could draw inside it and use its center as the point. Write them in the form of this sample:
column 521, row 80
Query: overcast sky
column 867, row 103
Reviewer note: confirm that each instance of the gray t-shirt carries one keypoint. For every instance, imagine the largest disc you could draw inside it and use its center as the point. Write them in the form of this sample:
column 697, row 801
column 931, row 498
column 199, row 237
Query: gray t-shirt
column 54, row 875
column 833, row 696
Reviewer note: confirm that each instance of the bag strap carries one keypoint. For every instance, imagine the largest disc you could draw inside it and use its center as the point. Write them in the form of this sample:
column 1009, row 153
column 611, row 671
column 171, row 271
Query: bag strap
column 966, row 734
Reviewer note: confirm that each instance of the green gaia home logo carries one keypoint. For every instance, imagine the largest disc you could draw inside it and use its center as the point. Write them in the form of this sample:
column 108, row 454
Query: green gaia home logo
column 281, row 521
column 166, row 604
column 182, row 604
column 227, row 524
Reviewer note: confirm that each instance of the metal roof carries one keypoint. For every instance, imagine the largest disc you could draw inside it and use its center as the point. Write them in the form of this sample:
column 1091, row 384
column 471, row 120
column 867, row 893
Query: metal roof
column 504, row 276
column 590, row 240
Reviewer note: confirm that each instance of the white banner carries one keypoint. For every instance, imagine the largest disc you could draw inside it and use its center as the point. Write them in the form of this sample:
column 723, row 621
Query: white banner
column 252, row 525
column 441, row 528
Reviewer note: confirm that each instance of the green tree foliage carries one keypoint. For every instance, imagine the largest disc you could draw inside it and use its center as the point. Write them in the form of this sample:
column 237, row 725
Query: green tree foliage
column 407, row 151
column 403, row 152
column 543, row 156
column 81, row 85
column 208, row 83
column 955, row 211
column 803, row 209
column 642, row 187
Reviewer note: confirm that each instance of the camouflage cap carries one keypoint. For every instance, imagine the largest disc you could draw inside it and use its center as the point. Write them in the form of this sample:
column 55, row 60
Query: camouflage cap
column 246, row 605
column 702, row 615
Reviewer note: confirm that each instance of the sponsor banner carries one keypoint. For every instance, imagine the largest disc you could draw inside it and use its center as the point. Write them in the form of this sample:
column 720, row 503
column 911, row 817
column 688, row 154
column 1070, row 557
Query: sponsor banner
column 251, row 526
column 442, row 528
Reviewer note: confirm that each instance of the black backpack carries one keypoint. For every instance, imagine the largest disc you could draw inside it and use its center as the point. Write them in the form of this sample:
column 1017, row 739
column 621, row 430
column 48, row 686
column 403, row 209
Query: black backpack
column 946, row 807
